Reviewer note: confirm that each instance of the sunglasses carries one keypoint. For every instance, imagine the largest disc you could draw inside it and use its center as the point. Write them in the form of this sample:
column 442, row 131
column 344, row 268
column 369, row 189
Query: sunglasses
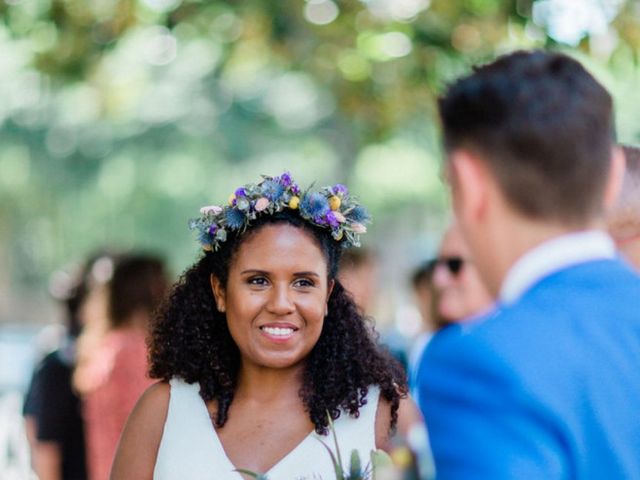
column 453, row 264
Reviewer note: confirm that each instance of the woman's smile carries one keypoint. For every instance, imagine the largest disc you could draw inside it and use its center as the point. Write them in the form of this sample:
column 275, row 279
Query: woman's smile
column 279, row 332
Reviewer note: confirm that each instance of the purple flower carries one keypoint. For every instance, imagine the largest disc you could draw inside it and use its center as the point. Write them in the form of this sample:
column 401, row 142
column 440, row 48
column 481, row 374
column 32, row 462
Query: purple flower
column 240, row 192
column 295, row 189
column 332, row 220
column 320, row 220
column 340, row 189
column 285, row 179
column 212, row 229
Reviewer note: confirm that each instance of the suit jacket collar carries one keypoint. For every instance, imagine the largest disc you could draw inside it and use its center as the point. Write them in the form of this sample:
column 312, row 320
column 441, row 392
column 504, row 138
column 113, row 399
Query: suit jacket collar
column 553, row 255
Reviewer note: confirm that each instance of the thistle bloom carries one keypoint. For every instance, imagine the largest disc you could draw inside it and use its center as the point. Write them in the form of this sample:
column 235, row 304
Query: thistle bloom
column 272, row 190
column 234, row 218
column 359, row 214
column 314, row 205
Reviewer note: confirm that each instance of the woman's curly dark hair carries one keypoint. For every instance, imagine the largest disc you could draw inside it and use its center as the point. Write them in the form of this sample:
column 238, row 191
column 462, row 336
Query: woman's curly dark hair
column 190, row 339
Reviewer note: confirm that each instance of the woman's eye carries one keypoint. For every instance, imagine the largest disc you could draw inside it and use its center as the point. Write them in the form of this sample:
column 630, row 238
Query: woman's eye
column 303, row 282
column 260, row 281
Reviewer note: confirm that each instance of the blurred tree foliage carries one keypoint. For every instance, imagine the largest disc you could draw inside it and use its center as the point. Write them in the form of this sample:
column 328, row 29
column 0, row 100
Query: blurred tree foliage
column 120, row 117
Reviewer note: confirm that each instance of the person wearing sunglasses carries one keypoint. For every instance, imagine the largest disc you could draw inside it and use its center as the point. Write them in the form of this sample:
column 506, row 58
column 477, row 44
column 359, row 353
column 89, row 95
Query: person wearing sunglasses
column 623, row 221
column 459, row 292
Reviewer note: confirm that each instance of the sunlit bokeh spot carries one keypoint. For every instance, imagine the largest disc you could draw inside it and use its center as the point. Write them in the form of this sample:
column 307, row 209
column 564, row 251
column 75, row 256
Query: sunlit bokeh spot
column 320, row 12
column 396, row 9
column 353, row 66
column 569, row 21
column 161, row 46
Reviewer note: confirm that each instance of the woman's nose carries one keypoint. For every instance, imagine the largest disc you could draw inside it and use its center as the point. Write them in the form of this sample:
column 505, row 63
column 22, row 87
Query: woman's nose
column 280, row 302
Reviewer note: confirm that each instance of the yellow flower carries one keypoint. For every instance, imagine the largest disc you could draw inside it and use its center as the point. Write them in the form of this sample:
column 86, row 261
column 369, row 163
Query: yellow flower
column 401, row 457
column 207, row 248
column 294, row 203
column 334, row 202
column 232, row 197
column 339, row 236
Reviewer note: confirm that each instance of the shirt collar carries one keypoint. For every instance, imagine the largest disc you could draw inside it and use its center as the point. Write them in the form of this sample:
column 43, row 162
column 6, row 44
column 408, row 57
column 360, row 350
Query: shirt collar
column 553, row 255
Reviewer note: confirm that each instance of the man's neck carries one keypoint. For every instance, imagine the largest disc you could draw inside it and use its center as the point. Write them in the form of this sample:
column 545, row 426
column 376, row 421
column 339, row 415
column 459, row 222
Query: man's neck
column 519, row 235
column 630, row 249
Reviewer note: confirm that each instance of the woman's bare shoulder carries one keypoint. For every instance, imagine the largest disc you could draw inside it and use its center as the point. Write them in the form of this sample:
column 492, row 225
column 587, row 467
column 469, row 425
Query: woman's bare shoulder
column 138, row 448
column 408, row 416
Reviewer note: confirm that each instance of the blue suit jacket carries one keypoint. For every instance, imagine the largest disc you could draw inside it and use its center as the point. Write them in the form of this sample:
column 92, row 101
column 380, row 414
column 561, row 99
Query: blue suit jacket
column 546, row 388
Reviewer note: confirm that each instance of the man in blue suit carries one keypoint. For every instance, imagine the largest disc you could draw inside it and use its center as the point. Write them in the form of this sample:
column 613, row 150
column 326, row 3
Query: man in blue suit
column 547, row 386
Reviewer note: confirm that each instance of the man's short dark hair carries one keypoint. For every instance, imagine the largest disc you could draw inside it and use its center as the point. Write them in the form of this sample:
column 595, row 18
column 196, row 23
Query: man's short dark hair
column 543, row 125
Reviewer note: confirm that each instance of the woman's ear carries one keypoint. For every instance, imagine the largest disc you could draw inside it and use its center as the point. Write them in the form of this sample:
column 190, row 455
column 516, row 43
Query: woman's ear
column 219, row 293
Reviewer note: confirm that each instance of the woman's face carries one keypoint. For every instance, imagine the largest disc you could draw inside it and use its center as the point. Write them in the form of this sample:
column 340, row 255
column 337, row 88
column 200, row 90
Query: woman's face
column 276, row 296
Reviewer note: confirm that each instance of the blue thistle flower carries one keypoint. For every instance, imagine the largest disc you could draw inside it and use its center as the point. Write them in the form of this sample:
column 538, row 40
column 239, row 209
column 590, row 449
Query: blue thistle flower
column 273, row 190
column 314, row 205
column 234, row 218
column 359, row 214
column 204, row 237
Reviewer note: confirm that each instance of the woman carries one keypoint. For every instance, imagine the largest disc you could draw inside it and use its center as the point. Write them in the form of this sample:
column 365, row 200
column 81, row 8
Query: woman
column 259, row 345
column 112, row 373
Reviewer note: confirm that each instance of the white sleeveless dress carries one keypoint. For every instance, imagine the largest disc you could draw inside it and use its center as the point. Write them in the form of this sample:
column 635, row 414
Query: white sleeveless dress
column 190, row 448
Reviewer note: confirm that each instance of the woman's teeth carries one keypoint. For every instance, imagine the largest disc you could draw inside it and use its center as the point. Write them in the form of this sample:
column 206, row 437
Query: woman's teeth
column 278, row 331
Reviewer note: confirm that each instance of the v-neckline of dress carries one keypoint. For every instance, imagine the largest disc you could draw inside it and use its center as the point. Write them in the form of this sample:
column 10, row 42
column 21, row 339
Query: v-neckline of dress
column 223, row 453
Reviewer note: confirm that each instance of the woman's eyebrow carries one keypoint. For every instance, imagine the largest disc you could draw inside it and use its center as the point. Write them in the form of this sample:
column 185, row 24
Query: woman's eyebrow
column 256, row 271
column 306, row 274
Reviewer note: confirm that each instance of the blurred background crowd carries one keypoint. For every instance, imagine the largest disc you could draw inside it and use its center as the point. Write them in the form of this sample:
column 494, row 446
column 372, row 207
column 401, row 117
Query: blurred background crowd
column 119, row 119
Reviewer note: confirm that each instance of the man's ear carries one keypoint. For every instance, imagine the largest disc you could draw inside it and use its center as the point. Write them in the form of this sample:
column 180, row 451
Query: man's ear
column 469, row 184
column 616, row 177
column 218, row 293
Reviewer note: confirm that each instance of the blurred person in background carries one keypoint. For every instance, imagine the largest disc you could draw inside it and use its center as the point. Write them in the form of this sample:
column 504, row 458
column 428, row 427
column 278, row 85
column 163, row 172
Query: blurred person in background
column 623, row 220
column 112, row 371
column 449, row 290
column 544, row 386
column 460, row 294
column 53, row 419
column 423, row 291
column 358, row 273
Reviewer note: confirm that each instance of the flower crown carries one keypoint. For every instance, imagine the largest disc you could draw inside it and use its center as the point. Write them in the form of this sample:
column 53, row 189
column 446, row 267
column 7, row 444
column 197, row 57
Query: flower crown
column 331, row 208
